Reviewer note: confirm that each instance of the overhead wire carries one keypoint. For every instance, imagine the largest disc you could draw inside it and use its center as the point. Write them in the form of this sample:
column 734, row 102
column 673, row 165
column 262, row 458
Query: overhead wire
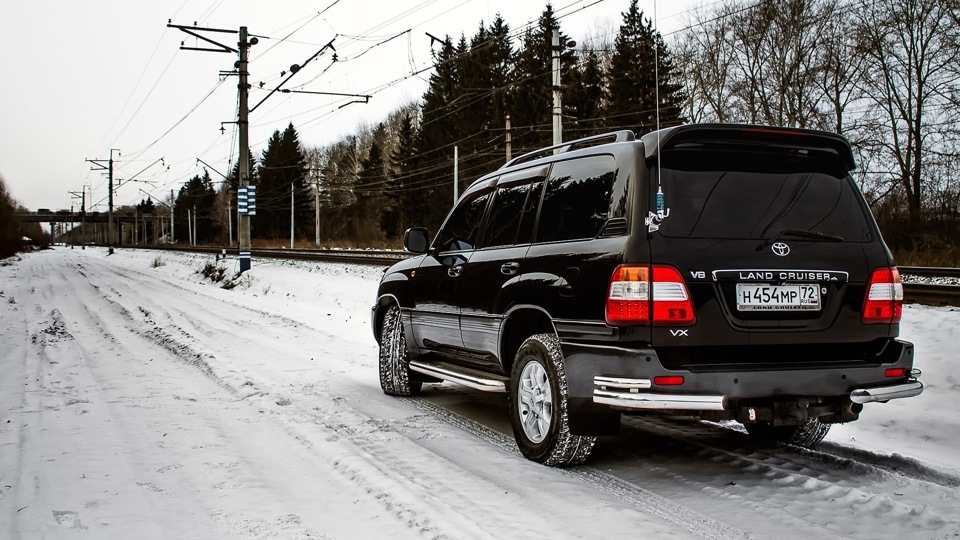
column 516, row 32
column 136, row 85
column 137, row 153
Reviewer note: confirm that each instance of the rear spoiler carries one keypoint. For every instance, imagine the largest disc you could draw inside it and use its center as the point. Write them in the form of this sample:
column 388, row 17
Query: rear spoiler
column 820, row 141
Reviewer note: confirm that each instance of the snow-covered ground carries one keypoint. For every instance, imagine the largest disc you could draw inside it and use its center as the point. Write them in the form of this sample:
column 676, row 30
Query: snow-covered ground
column 146, row 402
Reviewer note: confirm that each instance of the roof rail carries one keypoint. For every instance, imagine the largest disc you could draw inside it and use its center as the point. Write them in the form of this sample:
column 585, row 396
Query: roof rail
column 623, row 135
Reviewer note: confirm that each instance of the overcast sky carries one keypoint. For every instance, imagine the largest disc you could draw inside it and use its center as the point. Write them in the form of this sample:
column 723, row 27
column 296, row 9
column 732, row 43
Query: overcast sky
column 82, row 77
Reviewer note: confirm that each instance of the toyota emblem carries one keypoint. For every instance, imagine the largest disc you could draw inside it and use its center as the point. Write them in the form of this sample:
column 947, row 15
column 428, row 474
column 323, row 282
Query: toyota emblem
column 780, row 249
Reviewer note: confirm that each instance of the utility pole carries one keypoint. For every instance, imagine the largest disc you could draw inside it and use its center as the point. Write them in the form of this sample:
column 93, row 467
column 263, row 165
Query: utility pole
column 243, row 221
column 557, row 109
column 456, row 171
column 291, row 215
column 83, row 217
column 316, row 206
column 172, row 201
column 110, row 203
column 109, row 168
column 509, row 140
column 83, row 213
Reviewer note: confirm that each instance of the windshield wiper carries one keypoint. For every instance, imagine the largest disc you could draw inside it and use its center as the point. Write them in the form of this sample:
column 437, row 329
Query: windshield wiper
column 799, row 233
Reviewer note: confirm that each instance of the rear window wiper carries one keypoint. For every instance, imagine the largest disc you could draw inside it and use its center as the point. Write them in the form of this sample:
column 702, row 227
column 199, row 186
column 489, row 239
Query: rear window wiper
column 799, row 233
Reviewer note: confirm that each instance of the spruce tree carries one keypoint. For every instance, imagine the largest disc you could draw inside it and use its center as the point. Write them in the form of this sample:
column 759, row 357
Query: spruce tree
column 437, row 135
column 640, row 61
column 369, row 189
column 584, row 100
column 282, row 165
column 195, row 199
column 403, row 205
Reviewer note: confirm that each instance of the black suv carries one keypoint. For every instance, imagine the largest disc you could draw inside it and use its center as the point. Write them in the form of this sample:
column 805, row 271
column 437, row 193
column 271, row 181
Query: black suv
column 727, row 271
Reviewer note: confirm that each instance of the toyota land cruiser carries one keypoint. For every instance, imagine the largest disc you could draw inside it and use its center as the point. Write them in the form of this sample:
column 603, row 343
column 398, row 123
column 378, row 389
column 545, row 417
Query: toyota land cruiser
column 727, row 271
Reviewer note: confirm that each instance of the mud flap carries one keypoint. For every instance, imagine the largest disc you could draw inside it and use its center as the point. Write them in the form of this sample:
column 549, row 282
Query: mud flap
column 588, row 419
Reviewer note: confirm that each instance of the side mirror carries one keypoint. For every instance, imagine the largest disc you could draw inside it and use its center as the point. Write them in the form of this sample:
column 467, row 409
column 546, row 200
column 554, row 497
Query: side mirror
column 415, row 240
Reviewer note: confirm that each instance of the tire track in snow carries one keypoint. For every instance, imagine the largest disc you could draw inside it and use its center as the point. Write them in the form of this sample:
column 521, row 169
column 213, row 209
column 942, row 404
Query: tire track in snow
column 648, row 502
column 813, row 490
column 100, row 318
column 56, row 434
column 397, row 493
column 413, row 474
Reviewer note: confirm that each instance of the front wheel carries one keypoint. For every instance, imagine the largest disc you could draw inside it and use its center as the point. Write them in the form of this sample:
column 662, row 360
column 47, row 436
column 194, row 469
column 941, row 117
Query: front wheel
column 807, row 435
column 538, row 406
column 394, row 362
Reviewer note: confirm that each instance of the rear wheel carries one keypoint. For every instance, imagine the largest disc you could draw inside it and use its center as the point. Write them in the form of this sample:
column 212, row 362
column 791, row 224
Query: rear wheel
column 538, row 406
column 807, row 435
column 394, row 362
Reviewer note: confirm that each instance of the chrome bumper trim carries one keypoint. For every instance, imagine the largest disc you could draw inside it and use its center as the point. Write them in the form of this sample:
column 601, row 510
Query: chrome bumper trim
column 622, row 383
column 649, row 401
column 886, row 393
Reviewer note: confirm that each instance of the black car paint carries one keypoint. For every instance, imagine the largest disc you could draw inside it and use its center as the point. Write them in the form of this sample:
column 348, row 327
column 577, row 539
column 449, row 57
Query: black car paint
column 457, row 304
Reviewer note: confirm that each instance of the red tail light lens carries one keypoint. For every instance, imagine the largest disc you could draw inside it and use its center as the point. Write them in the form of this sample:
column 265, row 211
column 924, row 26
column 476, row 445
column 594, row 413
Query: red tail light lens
column 629, row 298
column 895, row 372
column 884, row 300
column 668, row 380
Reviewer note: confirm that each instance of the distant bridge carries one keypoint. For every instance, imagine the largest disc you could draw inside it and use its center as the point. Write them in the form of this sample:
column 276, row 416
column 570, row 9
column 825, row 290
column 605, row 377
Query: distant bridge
column 45, row 215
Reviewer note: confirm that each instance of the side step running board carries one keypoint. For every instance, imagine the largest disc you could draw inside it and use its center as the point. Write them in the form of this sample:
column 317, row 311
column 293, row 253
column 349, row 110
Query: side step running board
column 488, row 382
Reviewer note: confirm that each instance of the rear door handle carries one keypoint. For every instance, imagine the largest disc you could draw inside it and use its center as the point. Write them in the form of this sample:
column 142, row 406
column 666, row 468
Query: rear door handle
column 454, row 271
column 509, row 268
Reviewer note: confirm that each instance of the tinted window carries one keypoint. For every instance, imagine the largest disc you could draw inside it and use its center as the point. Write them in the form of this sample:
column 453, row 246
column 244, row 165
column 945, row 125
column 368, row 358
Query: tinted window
column 577, row 200
column 529, row 218
column 462, row 227
column 750, row 195
column 510, row 208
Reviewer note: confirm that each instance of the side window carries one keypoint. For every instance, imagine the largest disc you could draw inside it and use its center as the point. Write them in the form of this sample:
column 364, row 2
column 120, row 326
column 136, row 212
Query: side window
column 462, row 227
column 577, row 200
column 529, row 219
column 508, row 206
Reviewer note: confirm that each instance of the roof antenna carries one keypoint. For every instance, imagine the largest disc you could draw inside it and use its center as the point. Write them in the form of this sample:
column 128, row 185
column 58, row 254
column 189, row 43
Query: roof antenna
column 654, row 219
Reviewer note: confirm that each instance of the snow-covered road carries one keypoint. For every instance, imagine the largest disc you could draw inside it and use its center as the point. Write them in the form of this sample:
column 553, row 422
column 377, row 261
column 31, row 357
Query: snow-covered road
column 145, row 402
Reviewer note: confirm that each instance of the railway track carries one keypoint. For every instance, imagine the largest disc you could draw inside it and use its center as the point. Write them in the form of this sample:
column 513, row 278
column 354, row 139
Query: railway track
column 935, row 294
column 355, row 256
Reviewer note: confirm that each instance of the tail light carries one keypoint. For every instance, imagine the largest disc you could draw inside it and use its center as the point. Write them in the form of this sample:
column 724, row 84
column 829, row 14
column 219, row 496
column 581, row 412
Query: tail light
column 884, row 301
column 629, row 298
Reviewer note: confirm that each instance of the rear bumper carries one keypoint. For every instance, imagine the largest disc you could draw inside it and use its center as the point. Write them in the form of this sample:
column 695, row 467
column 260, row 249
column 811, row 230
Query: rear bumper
column 623, row 379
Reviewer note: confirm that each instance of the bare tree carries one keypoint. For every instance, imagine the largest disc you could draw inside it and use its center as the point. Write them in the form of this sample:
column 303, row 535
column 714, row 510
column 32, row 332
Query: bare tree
column 776, row 75
column 838, row 64
column 911, row 50
column 705, row 55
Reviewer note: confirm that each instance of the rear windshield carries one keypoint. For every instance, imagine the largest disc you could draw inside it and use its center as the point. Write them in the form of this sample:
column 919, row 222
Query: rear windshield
column 737, row 194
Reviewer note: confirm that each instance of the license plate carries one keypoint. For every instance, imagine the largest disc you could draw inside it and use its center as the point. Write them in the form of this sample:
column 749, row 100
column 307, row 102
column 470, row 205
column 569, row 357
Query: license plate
column 793, row 297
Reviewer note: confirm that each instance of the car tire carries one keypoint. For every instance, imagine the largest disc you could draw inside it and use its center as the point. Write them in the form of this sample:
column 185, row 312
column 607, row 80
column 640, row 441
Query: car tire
column 807, row 435
column 394, row 360
column 538, row 406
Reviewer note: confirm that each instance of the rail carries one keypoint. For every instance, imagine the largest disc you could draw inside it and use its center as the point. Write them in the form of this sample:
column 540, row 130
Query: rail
column 920, row 293
column 356, row 256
